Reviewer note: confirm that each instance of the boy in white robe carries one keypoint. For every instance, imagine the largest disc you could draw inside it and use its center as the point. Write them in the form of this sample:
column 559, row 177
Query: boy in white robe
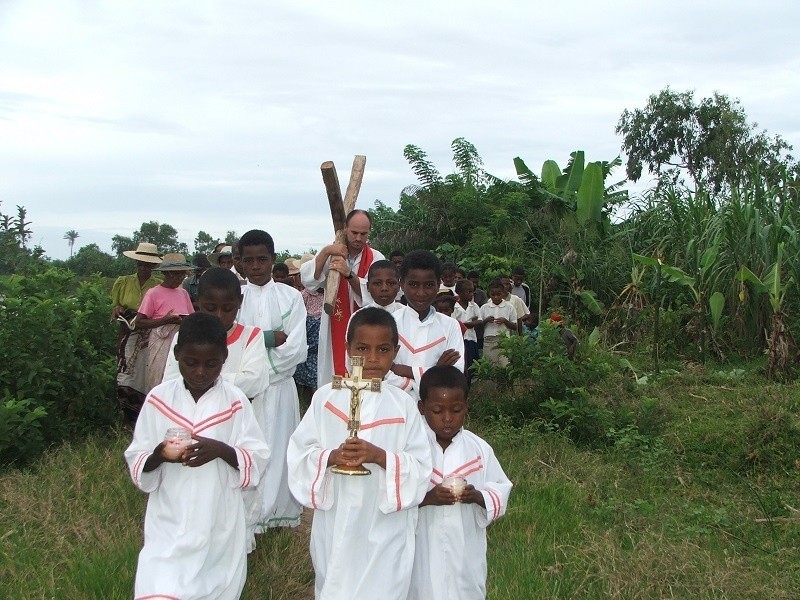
column 427, row 338
column 219, row 294
column 195, row 538
column 499, row 319
column 383, row 285
column 280, row 312
column 362, row 537
column 467, row 492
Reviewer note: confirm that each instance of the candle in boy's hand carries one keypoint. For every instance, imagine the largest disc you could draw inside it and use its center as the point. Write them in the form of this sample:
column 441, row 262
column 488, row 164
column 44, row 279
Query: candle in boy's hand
column 456, row 483
column 175, row 442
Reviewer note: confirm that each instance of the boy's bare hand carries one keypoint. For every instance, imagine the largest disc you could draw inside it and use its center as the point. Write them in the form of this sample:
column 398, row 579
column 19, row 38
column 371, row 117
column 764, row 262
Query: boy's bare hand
column 280, row 338
column 204, row 450
column 472, row 496
column 355, row 451
column 440, row 496
column 448, row 358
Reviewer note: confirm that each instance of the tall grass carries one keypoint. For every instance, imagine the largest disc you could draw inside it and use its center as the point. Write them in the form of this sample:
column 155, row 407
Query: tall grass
column 699, row 511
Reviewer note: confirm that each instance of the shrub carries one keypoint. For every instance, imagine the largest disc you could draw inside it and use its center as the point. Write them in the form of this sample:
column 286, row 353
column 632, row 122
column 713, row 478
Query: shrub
column 57, row 352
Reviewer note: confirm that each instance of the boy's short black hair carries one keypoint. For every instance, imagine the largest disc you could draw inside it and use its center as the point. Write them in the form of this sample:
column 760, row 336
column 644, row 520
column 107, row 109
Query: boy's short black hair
column 257, row 237
column 442, row 377
column 202, row 328
column 496, row 283
column 445, row 298
column 399, row 253
column 424, row 260
column 372, row 315
column 219, row 278
column 473, row 275
column 462, row 272
column 381, row 264
column 461, row 284
column 280, row 269
column 449, row 267
column 518, row 270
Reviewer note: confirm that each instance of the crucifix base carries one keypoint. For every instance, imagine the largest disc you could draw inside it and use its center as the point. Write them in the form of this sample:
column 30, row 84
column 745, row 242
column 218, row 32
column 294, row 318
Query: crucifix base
column 349, row 470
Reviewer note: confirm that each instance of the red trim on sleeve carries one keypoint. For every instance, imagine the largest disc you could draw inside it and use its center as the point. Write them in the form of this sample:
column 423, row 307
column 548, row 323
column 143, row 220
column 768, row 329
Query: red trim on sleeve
column 495, row 503
column 320, row 469
column 397, row 481
column 137, row 465
column 246, row 468
column 253, row 335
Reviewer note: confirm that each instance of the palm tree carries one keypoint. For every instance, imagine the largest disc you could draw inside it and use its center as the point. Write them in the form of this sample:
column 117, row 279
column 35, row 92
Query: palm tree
column 71, row 236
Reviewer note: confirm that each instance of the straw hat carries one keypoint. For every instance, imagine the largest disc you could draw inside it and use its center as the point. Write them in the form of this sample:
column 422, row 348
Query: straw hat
column 213, row 258
column 174, row 261
column 145, row 252
column 294, row 264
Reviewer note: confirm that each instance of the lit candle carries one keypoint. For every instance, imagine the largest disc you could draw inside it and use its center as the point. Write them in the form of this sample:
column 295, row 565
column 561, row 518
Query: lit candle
column 175, row 442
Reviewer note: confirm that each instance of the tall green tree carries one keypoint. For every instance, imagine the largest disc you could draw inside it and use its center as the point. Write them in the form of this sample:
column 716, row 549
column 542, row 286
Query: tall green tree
column 163, row 235
column 71, row 236
column 204, row 243
column 709, row 144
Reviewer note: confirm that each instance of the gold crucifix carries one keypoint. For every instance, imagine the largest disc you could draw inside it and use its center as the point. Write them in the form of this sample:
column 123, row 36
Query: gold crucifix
column 356, row 384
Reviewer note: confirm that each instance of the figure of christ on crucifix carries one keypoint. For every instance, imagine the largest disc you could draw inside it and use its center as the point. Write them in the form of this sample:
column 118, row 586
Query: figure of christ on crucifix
column 348, row 259
column 356, row 384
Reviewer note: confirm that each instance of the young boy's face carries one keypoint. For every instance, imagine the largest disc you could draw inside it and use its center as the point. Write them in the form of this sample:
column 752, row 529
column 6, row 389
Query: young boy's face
column 444, row 306
column 225, row 261
column 200, row 365
column 374, row 343
column 448, row 278
column 257, row 263
column 467, row 293
column 506, row 284
column 445, row 410
column 383, row 285
column 420, row 287
column 222, row 303
column 497, row 295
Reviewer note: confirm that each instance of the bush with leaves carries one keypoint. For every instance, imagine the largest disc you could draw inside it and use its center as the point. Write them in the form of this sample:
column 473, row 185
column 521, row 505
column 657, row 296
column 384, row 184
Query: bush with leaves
column 56, row 358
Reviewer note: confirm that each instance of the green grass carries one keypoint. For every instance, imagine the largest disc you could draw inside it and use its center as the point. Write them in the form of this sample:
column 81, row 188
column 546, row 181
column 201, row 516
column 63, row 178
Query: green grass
column 702, row 509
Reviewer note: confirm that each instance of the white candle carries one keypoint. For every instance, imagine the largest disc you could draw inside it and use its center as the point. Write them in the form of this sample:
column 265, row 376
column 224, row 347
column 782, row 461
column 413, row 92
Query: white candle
column 175, row 442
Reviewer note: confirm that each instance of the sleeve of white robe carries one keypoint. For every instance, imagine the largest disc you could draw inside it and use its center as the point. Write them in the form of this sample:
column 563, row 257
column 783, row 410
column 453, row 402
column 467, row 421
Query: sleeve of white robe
column 308, row 463
column 497, row 488
column 251, row 450
column 307, row 275
column 405, row 481
column 171, row 370
column 146, row 436
column 252, row 377
column 295, row 350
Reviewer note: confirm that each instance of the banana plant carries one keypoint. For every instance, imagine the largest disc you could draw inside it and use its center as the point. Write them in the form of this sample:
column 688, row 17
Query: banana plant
column 779, row 339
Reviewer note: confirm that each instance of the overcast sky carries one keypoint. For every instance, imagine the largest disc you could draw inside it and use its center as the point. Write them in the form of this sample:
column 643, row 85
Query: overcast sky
column 215, row 116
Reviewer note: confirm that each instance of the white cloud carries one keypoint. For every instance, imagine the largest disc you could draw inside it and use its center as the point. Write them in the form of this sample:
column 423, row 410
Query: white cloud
column 216, row 116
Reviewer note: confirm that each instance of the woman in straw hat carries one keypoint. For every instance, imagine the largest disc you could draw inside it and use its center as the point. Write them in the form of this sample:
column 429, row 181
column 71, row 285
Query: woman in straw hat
column 126, row 296
column 161, row 311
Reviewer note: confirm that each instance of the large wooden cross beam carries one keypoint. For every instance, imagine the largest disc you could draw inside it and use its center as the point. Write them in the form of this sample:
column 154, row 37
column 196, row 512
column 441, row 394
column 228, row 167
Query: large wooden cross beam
column 340, row 208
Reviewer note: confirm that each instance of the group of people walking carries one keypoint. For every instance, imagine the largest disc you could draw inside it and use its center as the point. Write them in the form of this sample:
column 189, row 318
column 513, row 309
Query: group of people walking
column 221, row 450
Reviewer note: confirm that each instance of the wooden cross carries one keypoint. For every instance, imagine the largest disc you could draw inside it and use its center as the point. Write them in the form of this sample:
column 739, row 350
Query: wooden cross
column 356, row 384
column 340, row 208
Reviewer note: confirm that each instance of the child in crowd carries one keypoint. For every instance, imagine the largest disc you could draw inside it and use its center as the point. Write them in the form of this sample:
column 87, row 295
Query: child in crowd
column 460, row 274
column 195, row 539
column 469, row 315
column 448, row 276
column 383, row 285
column 467, row 492
column 567, row 336
column 498, row 317
column 281, row 314
column 520, row 308
column 219, row 294
column 445, row 302
column 280, row 274
column 161, row 311
column 427, row 338
column 530, row 327
column 362, row 536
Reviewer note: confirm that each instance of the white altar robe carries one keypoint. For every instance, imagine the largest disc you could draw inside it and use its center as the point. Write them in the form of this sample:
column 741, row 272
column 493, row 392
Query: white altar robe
column 362, row 537
column 422, row 343
column 450, row 557
column 277, row 307
column 325, row 352
column 195, row 537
